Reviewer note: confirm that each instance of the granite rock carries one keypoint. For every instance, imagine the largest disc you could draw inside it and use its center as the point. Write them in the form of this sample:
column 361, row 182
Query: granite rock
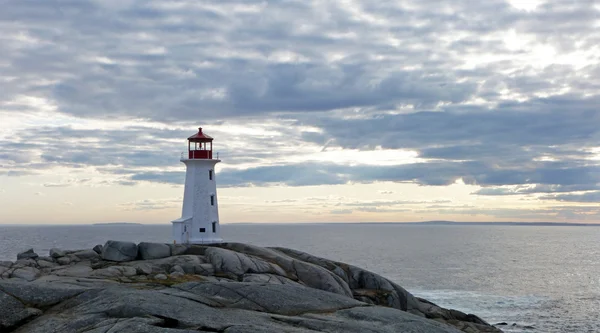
column 29, row 254
column 119, row 251
column 153, row 250
column 57, row 253
column 227, row 287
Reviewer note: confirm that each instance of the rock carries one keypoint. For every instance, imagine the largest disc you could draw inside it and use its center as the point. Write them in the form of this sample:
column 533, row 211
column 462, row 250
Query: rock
column 29, row 254
column 78, row 270
column 229, row 261
column 86, row 255
column 63, row 260
column 194, row 310
column 40, row 295
column 307, row 273
column 267, row 278
column 238, row 288
column 177, row 269
column 114, row 272
column 57, row 253
column 153, row 250
column 119, row 251
column 25, row 263
column 204, row 269
column 6, row 264
column 46, row 264
column 501, row 324
column 98, row 249
column 26, row 273
column 13, row 312
column 178, row 249
column 165, row 265
column 143, row 269
column 288, row 299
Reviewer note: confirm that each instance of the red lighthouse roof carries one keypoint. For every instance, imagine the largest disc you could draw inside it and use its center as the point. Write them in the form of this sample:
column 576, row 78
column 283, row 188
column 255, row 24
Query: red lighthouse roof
column 200, row 137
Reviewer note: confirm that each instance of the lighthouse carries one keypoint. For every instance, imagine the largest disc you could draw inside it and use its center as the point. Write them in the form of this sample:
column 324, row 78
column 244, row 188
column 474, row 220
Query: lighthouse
column 199, row 221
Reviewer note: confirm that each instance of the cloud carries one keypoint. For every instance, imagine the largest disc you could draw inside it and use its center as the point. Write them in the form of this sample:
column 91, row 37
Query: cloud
column 477, row 91
column 174, row 177
column 593, row 196
column 526, row 189
column 224, row 59
column 392, row 203
column 68, row 182
column 341, row 211
column 281, row 201
column 433, row 173
column 151, row 204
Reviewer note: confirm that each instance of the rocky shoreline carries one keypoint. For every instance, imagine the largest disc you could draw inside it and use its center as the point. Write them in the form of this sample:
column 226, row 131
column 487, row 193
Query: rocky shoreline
column 227, row 287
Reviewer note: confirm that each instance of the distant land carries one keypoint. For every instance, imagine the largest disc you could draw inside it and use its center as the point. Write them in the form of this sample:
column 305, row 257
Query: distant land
column 510, row 223
column 117, row 223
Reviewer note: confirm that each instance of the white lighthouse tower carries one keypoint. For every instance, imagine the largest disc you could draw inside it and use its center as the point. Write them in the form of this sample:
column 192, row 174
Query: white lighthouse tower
column 199, row 221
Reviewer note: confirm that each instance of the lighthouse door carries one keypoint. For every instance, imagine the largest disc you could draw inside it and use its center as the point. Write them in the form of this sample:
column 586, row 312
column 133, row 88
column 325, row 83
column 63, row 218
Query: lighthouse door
column 186, row 235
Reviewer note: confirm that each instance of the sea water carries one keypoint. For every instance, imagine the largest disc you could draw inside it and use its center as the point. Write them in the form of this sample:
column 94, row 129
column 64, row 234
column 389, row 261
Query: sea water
column 547, row 277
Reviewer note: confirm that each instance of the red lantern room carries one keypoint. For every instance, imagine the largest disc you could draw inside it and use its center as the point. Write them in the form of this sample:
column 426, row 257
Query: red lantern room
column 200, row 146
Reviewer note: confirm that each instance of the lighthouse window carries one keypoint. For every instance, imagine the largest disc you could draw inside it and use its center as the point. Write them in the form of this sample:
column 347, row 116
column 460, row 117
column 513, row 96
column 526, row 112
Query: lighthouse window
column 210, row 174
column 214, row 227
column 212, row 200
column 202, row 229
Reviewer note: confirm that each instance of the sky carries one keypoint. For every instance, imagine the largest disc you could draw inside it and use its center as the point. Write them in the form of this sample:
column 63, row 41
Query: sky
column 322, row 111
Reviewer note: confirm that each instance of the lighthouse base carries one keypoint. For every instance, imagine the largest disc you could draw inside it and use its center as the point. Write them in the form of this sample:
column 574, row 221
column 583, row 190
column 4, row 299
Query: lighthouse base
column 206, row 241
column 183, row 233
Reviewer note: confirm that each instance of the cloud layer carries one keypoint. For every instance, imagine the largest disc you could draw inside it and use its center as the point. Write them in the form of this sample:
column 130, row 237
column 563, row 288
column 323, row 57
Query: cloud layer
column 307, row 93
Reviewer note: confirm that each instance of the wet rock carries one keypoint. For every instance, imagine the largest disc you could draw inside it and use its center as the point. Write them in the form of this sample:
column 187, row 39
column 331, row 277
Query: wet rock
column 119, row 251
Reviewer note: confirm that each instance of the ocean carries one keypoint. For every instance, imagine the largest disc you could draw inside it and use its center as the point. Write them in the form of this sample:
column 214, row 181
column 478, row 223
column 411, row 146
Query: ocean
column 547, row 277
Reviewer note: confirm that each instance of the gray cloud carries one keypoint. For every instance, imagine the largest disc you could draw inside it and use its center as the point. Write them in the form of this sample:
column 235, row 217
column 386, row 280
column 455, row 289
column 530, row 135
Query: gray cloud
column 447, row 84
column 593, row 196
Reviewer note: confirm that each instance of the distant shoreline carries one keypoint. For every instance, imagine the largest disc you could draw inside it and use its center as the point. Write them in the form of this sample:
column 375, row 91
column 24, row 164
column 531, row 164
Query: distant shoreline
column 426, row 223
column 117, row 223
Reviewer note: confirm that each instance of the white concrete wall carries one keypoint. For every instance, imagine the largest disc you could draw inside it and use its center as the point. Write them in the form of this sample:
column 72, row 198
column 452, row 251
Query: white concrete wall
column 196, row 200
column 178, row 232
